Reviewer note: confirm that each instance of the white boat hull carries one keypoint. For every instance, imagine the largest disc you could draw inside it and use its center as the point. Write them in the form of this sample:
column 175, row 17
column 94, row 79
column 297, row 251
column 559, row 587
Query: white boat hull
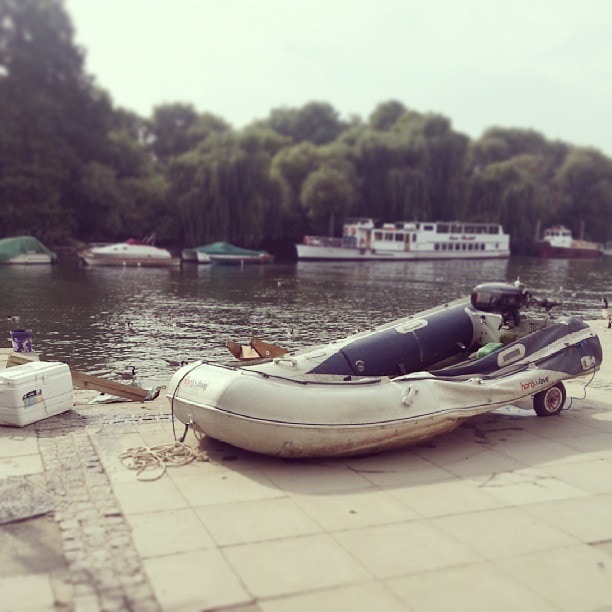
column 189, row 255
column 30, row 259
column 129, row 254
column 299, row 440
column 195, row 256
column 93, row 260
column 307, row 252
column 288, row 418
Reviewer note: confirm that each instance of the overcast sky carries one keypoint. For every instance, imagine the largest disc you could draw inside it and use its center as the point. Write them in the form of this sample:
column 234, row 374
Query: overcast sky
column 540, row 64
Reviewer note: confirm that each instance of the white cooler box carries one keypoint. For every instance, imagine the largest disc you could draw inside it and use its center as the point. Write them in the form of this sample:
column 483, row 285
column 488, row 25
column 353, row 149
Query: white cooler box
column 34, row 391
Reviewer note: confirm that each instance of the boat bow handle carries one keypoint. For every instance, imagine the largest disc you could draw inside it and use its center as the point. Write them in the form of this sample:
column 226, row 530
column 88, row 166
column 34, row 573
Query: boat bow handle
column 408, row 395
column 283, row 360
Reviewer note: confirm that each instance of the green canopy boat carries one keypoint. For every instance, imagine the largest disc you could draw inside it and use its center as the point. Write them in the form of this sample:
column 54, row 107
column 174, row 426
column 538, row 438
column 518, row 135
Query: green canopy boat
column 24, row 250
column 226, row 253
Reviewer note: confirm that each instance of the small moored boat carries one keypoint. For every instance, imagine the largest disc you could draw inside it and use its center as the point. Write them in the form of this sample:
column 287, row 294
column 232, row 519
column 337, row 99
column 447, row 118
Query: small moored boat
column 198, row 254
column 398, row 384
column 227, row 254
column 558, row 243
column 24, row 250
column 129, row 253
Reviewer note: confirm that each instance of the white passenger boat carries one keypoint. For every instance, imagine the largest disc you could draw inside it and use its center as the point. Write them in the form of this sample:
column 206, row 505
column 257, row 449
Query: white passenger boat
column 363, row 240
column 398, row 384
column 129, row 253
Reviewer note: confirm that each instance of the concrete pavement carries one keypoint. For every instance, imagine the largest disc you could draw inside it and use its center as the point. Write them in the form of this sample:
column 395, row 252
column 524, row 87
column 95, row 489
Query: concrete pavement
column 508, row 511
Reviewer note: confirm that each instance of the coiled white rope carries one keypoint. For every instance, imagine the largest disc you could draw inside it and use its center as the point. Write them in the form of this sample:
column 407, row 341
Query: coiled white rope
column 146, row 459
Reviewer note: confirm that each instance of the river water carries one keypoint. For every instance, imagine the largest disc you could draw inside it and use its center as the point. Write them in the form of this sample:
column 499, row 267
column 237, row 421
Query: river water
column 103, row 320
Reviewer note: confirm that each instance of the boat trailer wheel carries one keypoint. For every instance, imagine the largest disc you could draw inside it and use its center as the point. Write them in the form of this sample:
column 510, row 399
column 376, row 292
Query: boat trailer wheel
column 550, row 401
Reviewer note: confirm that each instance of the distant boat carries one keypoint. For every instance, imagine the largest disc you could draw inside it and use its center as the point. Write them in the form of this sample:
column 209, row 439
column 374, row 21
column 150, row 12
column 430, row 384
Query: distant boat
column 24, row 250
column 129, row 253
column 558, row 243
column 201, row 254
column 189, row 255
column 364, row 240
column 225, row 253
column 196, row 255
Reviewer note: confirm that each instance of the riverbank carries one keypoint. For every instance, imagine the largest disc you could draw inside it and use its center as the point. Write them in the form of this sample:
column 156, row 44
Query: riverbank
column 508, row 511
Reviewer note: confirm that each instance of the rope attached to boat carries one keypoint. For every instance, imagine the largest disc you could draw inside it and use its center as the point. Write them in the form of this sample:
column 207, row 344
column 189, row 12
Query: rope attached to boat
column 157, row 459
column 584, row 391
column 176, row 388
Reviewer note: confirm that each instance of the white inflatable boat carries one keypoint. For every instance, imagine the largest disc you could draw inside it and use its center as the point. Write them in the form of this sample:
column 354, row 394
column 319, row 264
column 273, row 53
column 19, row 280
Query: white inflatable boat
column 398, row 384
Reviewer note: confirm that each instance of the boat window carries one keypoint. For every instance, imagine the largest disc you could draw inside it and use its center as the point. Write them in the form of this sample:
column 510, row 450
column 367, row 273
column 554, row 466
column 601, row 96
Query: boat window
column 464, row 247
column 377, row 235
column 470, row 247
column 493, row 229
column 456, row 229
column 414, row 237
column 436, row 247
column 470, row 229
column 399, row 237
column 442, row 228
column 457, row 246
column 388, row 236
column 428, row 228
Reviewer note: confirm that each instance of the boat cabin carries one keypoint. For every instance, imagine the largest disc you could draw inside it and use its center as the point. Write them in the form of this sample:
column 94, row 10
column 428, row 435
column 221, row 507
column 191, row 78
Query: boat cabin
column 558, row 236
column 417, row 235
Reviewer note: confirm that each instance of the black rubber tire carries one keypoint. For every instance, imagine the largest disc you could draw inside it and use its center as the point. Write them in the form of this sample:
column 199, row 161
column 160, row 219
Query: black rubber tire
column 550, row 401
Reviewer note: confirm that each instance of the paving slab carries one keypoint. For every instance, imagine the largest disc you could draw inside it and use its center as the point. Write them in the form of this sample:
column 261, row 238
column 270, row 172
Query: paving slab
column 21, row 499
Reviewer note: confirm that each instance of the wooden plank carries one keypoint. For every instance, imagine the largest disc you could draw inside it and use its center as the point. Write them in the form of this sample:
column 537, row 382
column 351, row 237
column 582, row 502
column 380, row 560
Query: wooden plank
column 265, row 349
column 88, row 381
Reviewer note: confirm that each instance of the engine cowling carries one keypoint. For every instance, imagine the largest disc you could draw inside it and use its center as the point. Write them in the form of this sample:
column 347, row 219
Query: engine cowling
column 501, row 298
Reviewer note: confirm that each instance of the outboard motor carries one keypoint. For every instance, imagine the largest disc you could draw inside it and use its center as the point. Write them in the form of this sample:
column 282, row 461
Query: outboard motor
column 501, row 298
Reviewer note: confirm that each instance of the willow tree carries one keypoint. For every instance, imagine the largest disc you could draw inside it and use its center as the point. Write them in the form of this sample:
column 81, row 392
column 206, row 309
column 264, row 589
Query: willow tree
column 583, row 188
column 375, row 155
column 439, row 154
column 386, row 114
column 328, row 194
column 53, row 118
column 225, row 191
column 177, row 128
column 508, row 193
column 289, row 168
column 316, row 122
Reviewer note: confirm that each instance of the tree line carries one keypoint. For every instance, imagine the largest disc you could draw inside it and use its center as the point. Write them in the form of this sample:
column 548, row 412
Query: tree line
column 73, row 167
